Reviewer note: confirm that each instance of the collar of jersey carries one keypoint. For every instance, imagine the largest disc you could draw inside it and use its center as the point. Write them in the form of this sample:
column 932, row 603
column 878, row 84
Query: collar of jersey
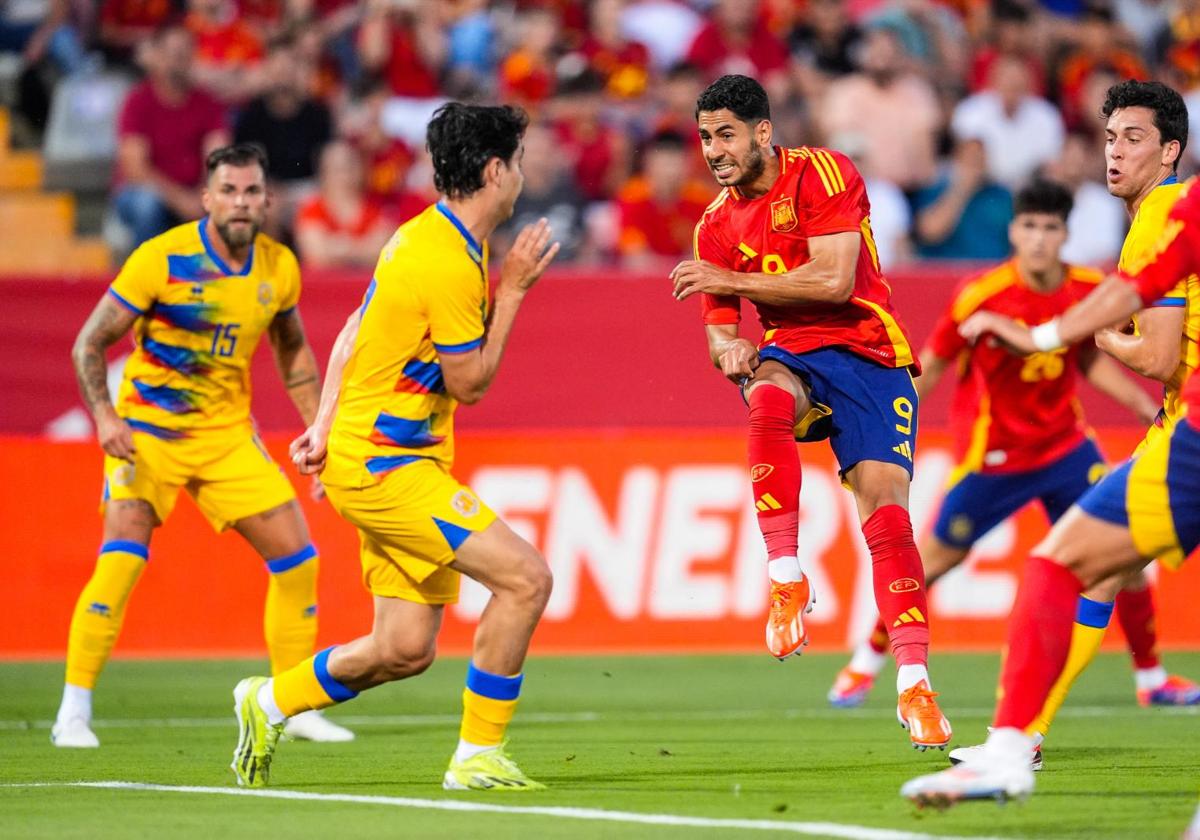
column 220, row 263
column 474, row 249
column 1171, row 179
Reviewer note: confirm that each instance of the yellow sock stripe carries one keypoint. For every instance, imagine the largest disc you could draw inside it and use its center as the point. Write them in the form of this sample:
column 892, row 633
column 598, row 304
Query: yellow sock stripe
column 1085, row 644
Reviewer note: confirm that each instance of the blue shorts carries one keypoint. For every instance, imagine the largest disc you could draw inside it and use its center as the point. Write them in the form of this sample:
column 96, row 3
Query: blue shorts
column 867, row 412
column 1156, row 495
column 978, row 502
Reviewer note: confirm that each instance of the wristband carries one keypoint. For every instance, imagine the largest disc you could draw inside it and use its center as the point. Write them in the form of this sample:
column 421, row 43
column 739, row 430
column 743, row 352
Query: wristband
column 1045, row 336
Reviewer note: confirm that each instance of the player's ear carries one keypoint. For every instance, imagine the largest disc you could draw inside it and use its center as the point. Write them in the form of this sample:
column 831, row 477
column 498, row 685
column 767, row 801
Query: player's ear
column 491, row 171
column 206, row 199
column 1170, row 153
column 762, row 133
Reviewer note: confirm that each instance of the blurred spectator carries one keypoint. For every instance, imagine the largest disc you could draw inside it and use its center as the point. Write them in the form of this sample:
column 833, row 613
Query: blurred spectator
column 675, row 109
column 387, row 159
column 527, row 73
column 659, row 208
column 470, row 45
column 598, row 153
column 166, row 128
column 666, row 27
column 1100, row 46
column 736, row 40
column 292, row 127
column 126, row 23
column 931, row 32
column 59, row 34
column 1144, row 19
column 402, row 41
column 826, row 39
column 550, row 192
column 1097, row 224
column 19, row 19
column 962, row 215
column 341, row 226
column 226, row 47
column 895, row 111
column 1020, row 131
column 1011, row 34
column 623, row 64
column 891, row 216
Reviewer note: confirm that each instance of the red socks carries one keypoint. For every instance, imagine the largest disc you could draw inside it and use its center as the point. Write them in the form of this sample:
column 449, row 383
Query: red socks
column 899, row 583
column 775, row 468
column 1039, row 638
column 878, row 640
column 1135, row 612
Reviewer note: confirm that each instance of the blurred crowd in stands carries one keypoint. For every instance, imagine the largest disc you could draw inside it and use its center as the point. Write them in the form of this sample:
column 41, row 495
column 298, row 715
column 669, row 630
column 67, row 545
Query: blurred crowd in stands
column 947, row 106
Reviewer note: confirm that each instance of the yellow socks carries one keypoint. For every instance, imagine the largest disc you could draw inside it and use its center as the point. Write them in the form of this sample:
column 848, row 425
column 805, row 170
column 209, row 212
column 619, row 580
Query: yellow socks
column 489, row 702
column 290, row 617
column 308, row 685
column 101, row 609
column 1091, row 620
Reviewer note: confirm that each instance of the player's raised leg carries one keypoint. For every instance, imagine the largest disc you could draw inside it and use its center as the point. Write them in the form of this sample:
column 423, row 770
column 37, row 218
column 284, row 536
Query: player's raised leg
column 280, row 536
column 99, row 613
column 881, row 492
column 778, row 400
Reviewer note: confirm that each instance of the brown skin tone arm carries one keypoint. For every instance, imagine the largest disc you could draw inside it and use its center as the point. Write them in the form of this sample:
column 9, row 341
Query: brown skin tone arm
column 296, row 363
column 1154, row 351
column 309, row 450
column 736, row 357
column 827, row 277
column 107, row 324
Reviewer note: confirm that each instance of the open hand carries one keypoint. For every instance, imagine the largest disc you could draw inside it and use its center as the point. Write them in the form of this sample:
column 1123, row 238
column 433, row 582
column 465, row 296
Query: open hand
column 1006, row 330
column 528, row 257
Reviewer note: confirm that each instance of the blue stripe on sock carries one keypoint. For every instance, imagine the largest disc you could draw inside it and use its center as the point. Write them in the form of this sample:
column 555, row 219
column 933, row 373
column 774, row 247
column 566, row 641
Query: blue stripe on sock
column 282, row 564
column 128, row 546
column 337, row 692
column 1091, row 613
column 493, row 685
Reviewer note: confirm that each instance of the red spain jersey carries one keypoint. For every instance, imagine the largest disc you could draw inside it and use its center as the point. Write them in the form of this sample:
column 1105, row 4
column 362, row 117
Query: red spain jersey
column 818, row 192
column 1012, row 413
column 1174, row 256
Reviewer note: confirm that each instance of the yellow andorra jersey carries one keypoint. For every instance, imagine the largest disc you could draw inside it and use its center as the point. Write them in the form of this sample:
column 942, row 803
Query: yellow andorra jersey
column 198, row 327
column 1147, row 226
column 428, row 299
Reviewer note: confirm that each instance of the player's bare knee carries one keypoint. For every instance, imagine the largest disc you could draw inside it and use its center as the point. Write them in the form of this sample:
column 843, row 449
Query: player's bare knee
column 129, row 519
column 532, row 581
column 401, row 658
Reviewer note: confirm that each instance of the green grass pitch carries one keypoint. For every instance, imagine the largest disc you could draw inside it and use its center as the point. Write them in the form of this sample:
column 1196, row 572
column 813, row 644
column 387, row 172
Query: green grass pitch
column 713, row 738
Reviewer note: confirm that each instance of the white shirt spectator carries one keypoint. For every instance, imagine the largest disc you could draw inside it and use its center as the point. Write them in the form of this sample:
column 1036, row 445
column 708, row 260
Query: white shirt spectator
column 1016, row 142
column 666, row 27
column 1096, row 227
column 891, row 221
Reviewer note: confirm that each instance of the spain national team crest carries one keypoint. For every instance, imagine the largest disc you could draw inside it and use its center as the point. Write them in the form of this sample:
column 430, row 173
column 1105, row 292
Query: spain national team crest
column 465, row 503
column 783, row 215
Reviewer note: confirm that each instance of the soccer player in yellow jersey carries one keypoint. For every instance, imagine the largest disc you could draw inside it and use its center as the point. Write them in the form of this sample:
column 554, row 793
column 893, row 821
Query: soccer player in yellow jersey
column 423, row 341
column 198, row 299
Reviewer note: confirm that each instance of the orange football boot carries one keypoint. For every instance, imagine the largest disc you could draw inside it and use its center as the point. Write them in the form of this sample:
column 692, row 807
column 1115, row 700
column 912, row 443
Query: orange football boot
column 785, row 621
column 918, row 712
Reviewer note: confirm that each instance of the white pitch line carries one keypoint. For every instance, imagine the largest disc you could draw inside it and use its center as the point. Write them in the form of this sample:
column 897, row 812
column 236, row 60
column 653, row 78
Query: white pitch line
column 812, row 829
column 618, row 717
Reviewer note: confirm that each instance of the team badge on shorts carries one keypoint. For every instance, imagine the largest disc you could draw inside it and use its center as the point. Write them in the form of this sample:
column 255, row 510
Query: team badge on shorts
column 123, row 475
column 465, row 503
column 962, row 527
column 783, row 215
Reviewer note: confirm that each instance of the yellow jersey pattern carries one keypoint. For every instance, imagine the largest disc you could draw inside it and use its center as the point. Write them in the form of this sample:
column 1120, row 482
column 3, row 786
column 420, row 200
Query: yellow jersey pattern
column 198, row 326
column 1144, row 232
column 428, row 298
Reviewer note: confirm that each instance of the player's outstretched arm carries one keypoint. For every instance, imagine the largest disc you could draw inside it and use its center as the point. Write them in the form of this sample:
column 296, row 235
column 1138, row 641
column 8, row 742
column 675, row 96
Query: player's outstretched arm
column 468, row 375
column 107, row 324
column 296, row 363
column 1107, row 377
column 1154, row 351
column 308, row 451
column 933, row 367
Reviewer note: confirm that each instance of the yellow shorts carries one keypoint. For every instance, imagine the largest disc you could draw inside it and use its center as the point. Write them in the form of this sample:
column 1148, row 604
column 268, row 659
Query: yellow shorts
column 229, row 474
column 410, row 524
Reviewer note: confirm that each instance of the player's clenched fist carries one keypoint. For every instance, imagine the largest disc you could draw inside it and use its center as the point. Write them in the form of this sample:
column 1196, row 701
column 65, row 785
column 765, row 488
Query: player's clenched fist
column 692, row 276
column 1005, row 329
column 115, row 436
column 739, row 361
column 528, row 257
column 308, row 451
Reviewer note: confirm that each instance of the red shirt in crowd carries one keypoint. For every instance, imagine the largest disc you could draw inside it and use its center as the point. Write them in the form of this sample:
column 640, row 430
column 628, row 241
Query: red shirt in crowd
column 229, row 43
column 818, row 192
column 625, row 71
column 315, row 212
column 1012, row 413
column 661, row 229
column 406, row 71
column 136, row 14
column 175, row 133
column 763, row 53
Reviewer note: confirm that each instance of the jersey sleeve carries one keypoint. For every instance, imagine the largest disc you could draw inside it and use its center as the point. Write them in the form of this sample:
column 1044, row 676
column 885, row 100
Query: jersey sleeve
column 831, row 194
column 141, row 279
column 289, row 282
column 1176, row 297
column 1175, row 255
column 456, row 306
column 945, row 342
column 715, row 309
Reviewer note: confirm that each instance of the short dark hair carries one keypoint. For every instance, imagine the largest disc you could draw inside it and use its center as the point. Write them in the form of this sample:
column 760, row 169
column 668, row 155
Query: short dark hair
column 239, row 154
column 1043, row 196
column 1170, row 111
column 740, row 94
column 463, row 138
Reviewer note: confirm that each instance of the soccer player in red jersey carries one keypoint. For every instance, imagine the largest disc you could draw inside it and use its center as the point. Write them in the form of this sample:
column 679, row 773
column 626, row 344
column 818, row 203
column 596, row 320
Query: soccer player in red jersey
column 1147, row 508
column 1020, row 432
column 791, row 233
